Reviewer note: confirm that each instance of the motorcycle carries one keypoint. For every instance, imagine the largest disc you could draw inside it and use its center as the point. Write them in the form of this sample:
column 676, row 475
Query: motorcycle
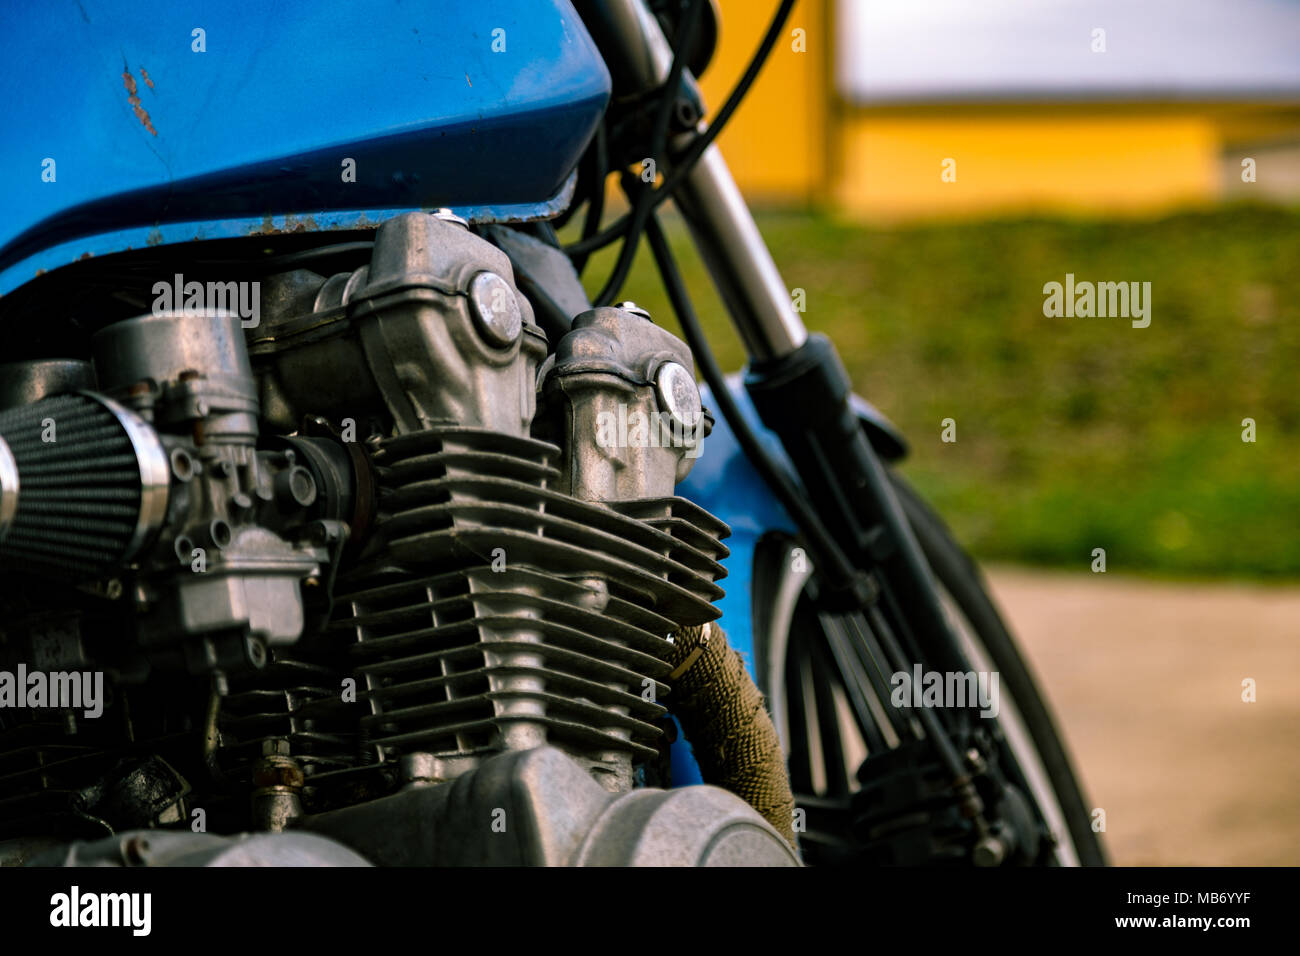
column 341, row 526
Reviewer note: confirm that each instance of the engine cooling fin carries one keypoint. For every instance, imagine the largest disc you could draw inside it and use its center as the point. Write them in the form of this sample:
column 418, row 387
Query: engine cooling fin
column 518, row 615
column 83, row 482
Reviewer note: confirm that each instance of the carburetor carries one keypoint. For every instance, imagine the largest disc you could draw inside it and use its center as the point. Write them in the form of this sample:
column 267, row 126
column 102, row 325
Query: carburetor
column 242, row 532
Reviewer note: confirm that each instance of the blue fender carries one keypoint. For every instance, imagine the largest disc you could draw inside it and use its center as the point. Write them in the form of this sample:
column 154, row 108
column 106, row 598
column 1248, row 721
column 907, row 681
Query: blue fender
column 724, row 482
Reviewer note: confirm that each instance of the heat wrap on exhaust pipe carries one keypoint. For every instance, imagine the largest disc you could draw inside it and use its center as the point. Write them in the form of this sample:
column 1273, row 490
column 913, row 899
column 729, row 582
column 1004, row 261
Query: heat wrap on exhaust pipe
column 725, row 718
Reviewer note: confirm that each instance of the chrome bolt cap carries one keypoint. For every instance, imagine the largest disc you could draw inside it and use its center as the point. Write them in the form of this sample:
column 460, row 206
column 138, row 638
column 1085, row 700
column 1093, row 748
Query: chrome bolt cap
column 496, row 310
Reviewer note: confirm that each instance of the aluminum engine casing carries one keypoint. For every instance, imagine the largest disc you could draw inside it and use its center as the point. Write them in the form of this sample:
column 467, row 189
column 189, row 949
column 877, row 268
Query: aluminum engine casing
column 517, row 568
column 515, row 591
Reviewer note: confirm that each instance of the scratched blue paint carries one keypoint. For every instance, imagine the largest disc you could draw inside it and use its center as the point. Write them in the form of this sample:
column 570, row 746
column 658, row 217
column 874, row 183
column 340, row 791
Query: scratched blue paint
column 213, row 143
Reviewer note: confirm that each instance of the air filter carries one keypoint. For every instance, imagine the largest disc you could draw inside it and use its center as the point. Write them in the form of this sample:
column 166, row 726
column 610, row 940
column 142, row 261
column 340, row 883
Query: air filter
column 83, row 485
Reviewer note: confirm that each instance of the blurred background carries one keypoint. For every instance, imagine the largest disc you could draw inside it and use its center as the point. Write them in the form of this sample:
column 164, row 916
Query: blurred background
column 1108, row 139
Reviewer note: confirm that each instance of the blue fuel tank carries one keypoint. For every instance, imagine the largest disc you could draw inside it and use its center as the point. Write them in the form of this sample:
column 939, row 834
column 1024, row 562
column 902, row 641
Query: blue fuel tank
column 129, row 124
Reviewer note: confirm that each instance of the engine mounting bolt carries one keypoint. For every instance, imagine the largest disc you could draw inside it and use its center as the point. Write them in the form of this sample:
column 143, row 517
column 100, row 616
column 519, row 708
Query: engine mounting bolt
column 496, row 311
column 678, row 394
column 630, row 306
column 446, row 215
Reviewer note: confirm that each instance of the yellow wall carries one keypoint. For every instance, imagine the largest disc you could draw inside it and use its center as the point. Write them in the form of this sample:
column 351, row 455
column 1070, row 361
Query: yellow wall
column 794, row 140
column 891, row 164
column 776, row 142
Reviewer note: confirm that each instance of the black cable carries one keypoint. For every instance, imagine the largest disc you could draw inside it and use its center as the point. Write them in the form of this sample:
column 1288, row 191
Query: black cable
column 316, row 252
column 581, row 192
column 688, row 159
column 826, row 553
column 684, row 35
column 596, row 201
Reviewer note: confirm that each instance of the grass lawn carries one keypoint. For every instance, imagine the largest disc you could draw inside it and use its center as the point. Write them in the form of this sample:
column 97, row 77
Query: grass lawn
column 1072, row 433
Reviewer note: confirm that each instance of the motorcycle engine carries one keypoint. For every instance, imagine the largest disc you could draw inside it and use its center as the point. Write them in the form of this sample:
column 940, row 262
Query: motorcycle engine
column 371, row 568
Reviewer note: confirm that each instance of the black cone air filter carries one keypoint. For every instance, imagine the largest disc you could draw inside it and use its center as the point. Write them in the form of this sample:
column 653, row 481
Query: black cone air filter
column 83, row 485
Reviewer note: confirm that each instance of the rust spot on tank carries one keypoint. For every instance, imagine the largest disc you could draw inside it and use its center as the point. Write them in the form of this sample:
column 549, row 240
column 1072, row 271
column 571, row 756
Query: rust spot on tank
column 293, row 223
column 129, row 81
column 144, row 75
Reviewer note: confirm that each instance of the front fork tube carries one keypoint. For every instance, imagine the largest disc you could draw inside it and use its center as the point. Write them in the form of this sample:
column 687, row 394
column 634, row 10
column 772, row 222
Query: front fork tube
column 802, row 392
